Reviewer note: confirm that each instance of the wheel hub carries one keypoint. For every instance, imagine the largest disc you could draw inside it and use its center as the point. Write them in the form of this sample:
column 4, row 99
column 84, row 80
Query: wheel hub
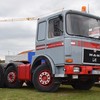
column 11, row 77
column 44, row 78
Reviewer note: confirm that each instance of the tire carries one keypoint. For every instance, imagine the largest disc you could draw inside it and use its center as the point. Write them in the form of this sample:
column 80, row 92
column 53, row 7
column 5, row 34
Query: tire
column 43, row 80
column 11, row 79
column 1, row 77
column 83, row 85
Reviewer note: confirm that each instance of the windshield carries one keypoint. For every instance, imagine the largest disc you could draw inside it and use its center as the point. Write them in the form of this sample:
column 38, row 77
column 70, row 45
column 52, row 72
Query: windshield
column 83, row 26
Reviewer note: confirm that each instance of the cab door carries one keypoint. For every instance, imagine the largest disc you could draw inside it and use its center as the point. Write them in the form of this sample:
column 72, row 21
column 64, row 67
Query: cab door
column 55, row 40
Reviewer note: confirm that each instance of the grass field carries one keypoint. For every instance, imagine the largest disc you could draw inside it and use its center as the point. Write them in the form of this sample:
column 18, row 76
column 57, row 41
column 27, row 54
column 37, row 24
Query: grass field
column 64, row 93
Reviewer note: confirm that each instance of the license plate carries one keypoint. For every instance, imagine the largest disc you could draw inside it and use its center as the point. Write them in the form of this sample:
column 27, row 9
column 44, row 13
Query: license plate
column 75, row 76
column 96, row 72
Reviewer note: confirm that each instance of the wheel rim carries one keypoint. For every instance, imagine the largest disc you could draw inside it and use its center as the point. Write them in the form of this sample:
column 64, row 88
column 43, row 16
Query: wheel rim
column 44, row 78
column 11, row 77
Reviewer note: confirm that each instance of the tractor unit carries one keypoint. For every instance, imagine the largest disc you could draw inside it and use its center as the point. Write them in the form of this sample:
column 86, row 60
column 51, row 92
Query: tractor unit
column 67, row 52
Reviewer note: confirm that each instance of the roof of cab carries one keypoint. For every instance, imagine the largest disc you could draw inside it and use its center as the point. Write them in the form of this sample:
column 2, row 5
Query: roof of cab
column 67, row 11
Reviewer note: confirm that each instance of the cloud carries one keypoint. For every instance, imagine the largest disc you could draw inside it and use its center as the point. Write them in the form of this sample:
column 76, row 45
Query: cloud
column 15, row 33
column 16, row 37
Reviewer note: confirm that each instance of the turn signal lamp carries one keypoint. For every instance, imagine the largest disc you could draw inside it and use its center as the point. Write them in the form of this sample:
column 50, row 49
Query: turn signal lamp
column 83, row 9
column 69, row 60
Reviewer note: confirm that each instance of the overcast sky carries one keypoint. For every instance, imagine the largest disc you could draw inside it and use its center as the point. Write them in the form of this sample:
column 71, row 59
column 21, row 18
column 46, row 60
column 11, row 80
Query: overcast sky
column 20, row 36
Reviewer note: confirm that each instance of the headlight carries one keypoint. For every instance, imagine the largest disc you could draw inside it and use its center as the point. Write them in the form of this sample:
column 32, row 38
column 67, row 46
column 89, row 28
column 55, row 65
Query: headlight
column 76, row 69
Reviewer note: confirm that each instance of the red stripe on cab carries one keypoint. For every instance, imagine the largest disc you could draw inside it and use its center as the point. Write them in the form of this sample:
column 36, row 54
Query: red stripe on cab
column 55, row 44
column 85, row 44
column 40, row 47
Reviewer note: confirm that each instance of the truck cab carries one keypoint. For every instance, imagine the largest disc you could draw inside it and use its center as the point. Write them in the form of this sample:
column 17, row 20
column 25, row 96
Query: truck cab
column 69, row 37
column 70, row 42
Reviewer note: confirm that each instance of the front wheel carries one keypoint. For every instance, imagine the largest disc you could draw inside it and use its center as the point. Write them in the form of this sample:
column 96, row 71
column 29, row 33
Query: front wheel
column 43, row 80
column 83, row 85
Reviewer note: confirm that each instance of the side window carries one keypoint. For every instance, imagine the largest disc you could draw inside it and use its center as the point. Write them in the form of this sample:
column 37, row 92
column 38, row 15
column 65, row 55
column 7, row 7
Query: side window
column 55, row 27
column 41, row 31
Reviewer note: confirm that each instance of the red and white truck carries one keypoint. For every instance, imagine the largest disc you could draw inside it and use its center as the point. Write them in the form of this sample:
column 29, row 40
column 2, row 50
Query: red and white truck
column 67, row 52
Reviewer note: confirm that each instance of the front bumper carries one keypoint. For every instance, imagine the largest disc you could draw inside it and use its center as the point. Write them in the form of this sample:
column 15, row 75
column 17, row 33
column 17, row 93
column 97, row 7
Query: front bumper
column 83, row 70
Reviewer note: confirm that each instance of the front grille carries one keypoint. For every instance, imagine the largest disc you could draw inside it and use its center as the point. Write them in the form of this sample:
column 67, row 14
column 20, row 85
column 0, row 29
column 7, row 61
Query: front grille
column 91, row 56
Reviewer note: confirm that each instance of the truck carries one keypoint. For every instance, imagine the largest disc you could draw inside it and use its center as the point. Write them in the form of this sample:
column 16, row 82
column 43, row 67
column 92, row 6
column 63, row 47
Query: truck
column 67, row 52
